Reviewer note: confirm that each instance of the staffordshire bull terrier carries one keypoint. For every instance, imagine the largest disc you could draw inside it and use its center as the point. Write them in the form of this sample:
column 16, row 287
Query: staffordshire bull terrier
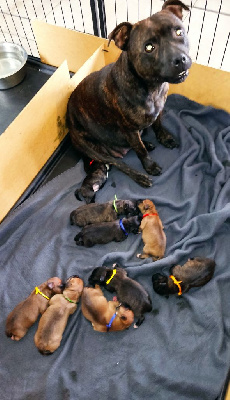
column 27, row 311
column 105, row 316
column 194, row 273
column 105, row 232
column 152, row 230
column 103, row 212
column 129, row 292
column 110, row 108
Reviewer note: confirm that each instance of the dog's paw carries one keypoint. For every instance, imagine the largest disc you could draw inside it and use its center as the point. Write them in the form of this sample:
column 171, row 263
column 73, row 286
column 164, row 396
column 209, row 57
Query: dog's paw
column 135, row 326
column 144, row 180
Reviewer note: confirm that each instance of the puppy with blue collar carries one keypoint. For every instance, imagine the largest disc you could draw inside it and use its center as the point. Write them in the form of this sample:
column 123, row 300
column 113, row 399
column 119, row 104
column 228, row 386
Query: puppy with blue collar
column 105, row 232
column 105, row 316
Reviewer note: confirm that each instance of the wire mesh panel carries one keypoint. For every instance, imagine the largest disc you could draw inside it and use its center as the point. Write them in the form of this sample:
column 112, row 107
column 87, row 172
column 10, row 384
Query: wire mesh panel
column 16, row 16
column 207, row 22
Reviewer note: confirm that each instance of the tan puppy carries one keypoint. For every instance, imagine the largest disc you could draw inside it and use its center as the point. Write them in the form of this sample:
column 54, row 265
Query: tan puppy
column 106, row 316
column 26, row 313
column 152, row 230
column 53, row 322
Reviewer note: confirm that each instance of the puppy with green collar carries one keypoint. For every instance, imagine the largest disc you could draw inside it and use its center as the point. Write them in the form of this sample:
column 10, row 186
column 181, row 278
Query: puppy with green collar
column 53, row 322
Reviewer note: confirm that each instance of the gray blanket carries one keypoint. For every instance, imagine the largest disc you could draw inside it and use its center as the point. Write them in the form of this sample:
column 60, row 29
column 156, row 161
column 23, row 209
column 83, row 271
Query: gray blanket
column 182, row 350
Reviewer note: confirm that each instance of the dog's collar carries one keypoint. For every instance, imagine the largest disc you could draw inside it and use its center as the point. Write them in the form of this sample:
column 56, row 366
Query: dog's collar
column 122, row 227
column 114, row 203
column 111, row 277
column 71, row 301
column 37, row 291
column 177, row 283
column 146, row 215
column 108, row 326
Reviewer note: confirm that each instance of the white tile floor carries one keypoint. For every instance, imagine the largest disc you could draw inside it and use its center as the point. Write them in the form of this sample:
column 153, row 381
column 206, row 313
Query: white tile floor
column 207, row 24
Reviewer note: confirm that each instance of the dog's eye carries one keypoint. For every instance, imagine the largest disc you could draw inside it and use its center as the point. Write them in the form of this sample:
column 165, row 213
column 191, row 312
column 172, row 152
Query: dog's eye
column 123, row 317
column 179, row 32
column 149, row 48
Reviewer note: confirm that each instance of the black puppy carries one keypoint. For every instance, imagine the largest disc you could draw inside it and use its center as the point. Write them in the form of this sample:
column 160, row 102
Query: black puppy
column 105, row 232
column 129, row 292
column 110, row 108
column 95, row 179
column 194, row 273
column 103, row 212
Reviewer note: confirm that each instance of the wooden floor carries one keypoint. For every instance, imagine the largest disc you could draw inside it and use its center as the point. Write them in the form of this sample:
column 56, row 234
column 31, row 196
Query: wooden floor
column 228, row 393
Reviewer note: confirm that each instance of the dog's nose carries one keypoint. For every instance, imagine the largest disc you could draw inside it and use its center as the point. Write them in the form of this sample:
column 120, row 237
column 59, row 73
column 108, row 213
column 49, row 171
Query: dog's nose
column 180, row 61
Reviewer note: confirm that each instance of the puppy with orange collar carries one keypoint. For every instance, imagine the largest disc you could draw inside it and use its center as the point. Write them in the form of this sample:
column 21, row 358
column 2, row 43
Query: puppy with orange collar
column 53, row 322
column 27, row 311
column 105, row 316
column 152, row 230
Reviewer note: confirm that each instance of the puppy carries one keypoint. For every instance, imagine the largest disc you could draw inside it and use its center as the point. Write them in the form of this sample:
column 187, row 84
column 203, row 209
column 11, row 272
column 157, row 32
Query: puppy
column 110, row 108
column 105, row 316
column 26, row 313
column 105, row 232
column 53, row 322
column 153, row 234
column 95, row 179
column 103, row 212
column 194, row 273
column 129, row 292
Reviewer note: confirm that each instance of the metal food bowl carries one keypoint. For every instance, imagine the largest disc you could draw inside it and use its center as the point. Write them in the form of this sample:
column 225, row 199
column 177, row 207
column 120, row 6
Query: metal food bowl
column 12, row 64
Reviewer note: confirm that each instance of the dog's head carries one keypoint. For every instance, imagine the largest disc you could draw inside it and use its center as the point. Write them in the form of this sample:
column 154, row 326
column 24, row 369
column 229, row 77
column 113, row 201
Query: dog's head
column 126, row 316
column 98, row 276
column 127, row 207
column 160, row 284
column 74, row 284
column 146, row 206
column 157, row 47
column 56, row 285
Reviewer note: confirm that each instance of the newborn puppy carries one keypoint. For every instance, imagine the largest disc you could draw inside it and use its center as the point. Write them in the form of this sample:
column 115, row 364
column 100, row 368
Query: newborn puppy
column 194, row 273
column 26, row 313
column 95, row 179
column 105, row 316
column 153, row 234
column 53, row 322
column 105, row 232
column 103, row 212
column 129, row 292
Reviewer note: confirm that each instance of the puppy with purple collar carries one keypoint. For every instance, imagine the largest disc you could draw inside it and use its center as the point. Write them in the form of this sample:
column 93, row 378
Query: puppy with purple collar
column 105, row 232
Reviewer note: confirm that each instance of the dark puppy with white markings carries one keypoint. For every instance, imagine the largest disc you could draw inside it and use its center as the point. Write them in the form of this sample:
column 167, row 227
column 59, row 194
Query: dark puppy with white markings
column 110, row 108
column 97, row 175
column 129, row 292
column 103, row 212
column 105, row 232
column 194, row 273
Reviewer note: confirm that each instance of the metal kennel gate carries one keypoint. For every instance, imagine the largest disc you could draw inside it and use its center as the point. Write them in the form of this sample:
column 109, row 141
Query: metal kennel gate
column 207, row 23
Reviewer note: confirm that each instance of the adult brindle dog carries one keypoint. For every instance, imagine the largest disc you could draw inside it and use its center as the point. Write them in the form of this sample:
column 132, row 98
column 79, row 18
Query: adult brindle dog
column 109, row 109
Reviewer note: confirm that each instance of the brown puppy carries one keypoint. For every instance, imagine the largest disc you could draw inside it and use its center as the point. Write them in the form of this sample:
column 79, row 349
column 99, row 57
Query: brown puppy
column 105, row 232
column 26, row 313
column 106, row 316
column 152, row 232
column 194, row 273
column 53, row 322
column 129, row 292
column 103, row 212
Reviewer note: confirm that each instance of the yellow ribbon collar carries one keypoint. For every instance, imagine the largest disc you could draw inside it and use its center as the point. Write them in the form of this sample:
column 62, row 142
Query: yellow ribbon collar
column 177, row 283
column 37, row 291
column 114, row 273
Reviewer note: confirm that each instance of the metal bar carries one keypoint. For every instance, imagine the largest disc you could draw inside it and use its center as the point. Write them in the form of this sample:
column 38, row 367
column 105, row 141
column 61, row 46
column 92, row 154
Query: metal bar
column 201, row 29
column 214, row 32
column 225, row 50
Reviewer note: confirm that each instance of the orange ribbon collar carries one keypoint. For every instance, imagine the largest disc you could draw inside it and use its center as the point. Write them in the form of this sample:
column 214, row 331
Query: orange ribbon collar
column 177, row 283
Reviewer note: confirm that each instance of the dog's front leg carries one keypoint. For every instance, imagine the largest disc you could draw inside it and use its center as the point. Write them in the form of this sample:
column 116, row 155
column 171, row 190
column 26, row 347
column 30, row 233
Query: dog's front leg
column 162, row 135
column 138, row 146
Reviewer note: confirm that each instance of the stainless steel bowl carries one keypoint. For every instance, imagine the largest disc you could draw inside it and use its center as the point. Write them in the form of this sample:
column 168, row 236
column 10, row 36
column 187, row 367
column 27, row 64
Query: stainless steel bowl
column 12, row 64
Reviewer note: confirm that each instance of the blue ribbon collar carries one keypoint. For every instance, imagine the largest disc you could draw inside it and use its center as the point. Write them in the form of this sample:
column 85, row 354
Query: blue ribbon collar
column 122, row 227
column 108, row 326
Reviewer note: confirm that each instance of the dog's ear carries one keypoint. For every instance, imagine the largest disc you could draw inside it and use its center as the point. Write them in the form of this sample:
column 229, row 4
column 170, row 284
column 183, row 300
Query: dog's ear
column 175, row 6
column 121, row 35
